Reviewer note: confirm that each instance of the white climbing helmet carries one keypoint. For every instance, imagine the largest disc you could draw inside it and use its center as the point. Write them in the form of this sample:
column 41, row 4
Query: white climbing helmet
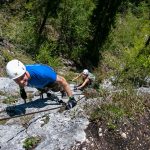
column 15, row 69
column 85, row 71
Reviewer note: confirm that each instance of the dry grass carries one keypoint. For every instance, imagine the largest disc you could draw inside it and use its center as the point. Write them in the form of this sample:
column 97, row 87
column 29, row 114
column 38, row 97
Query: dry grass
column 117, row 106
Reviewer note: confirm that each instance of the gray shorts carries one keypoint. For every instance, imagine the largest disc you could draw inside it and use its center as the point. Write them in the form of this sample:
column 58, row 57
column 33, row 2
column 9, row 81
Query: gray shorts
column 55, row 87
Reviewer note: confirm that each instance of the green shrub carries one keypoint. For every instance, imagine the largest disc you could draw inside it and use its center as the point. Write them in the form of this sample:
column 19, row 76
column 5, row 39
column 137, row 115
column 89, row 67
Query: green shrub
column 10, row 100
column 46, row 57
column 117, row 106
column 110, row 113
column 31, row 142
column 7, row 55
column 74, row 27
column 125, row 54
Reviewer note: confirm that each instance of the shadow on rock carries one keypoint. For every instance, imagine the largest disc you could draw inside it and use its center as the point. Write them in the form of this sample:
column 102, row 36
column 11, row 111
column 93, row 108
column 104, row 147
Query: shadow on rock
column 38, row 103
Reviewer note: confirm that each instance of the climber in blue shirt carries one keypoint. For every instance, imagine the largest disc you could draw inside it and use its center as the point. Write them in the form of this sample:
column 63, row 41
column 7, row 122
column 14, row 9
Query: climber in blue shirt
column 39, row 76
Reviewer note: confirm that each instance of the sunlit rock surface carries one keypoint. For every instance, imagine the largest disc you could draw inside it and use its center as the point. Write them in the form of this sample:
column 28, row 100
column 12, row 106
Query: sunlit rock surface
column 57, row 129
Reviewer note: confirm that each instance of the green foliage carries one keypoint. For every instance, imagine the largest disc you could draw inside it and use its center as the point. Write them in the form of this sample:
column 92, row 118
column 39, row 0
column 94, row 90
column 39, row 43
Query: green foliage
column 10, row 100
column 18, row 27
column 24, row 34
column 45, row 55
column 108, row 112
column 127, row 103
column 46, row 31
column 2, row 122
column 69, row 76
column 75, row 26
column 31, row 142
column 125, row 53
column 21, row 28
column 130, row 101
column 24, row 120
column 7, row 55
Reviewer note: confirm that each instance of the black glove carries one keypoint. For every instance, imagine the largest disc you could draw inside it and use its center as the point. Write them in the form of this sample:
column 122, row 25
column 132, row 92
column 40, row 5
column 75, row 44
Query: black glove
column 71, row 103
column 23, row 94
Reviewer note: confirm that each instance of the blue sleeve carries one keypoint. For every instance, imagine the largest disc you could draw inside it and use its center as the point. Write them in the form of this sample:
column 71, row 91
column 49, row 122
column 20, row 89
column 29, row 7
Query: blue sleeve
column 41, row 75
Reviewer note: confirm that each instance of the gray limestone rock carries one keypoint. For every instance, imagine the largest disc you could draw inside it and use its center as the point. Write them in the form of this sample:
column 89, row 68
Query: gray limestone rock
column 58, row 130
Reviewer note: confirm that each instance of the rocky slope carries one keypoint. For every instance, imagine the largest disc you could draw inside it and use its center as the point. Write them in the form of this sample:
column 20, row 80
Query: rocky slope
column 59, row 129
column 56, row 130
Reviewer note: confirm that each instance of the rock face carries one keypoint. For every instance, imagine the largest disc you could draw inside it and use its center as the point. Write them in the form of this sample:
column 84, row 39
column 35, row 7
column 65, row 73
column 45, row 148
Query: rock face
column 8, row 86
column 57, row 129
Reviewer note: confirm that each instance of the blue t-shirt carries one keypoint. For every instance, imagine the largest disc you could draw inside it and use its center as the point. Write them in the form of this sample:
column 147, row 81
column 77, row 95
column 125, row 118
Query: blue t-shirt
column 41, row 75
